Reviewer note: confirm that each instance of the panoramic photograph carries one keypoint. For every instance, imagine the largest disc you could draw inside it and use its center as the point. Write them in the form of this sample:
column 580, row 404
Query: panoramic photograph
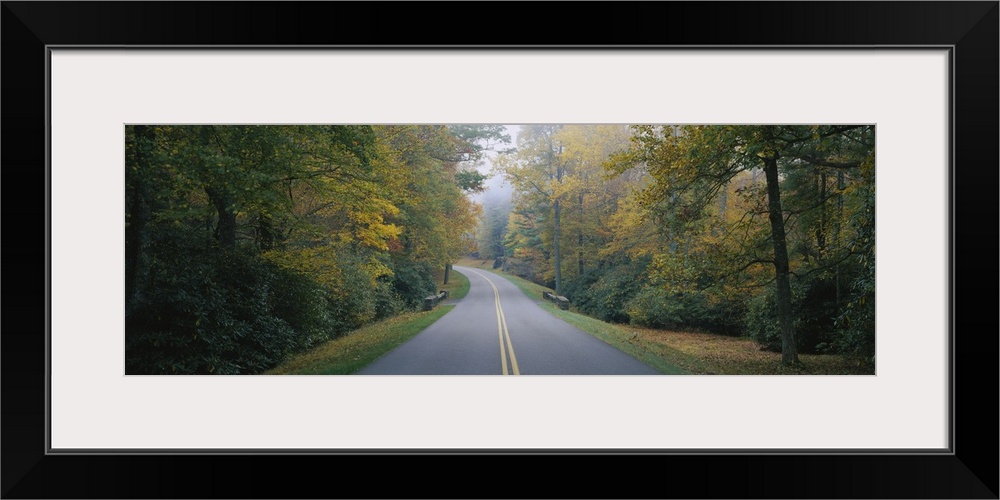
column 499, row 249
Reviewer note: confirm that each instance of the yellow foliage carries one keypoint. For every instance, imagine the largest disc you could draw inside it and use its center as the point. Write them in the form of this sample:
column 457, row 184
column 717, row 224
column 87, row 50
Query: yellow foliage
column 319, row 263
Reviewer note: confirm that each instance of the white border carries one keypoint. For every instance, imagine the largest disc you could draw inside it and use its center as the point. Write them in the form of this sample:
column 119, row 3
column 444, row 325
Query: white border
column 95, row 406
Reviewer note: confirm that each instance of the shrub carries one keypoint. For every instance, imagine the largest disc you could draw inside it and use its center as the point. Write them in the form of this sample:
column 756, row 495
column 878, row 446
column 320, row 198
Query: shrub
column 204, row 309
column 814, row 313
column 856, row 323
column 522, row 268
column 604, row 293
column 657, row 308
column 412, row 282
column 303, row 304
column 354, row 303
column 212, row 311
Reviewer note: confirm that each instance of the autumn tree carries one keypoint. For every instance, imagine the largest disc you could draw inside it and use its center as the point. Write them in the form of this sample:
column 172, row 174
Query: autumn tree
column 563, row 201
column 247, row 243
column 492, row 229
column 536, row 172
column 694, row 168
column 591, row 195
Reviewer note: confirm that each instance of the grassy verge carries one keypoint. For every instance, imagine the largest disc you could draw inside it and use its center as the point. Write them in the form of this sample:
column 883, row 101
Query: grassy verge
column 685, row 352
column 622, row 338
column 533, row 290
column 359, row 348
column 706, row 353
column 458, row 285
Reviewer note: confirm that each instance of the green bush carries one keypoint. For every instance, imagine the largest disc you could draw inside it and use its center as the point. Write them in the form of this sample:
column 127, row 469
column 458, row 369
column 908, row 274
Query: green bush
column 652, row 307
column 356, row 303
column 303, row 304
column 604, row 293
column 204, row 309
column 212, row 311
column 405, row 289
column 762, row 319
column 856, row 323
column 412, row 282
column 814, row 313
column 523, row 268
column 656, row 308
column 387, row 300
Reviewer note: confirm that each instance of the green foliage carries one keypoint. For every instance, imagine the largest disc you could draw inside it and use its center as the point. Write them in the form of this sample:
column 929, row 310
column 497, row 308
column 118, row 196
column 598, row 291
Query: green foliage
column 412, row 282
column 813, row 309
column 762, row 321
column 477, row 139
column 470, row 181
column 856, row 323
column 303, row 304
column 740, row 206
column 223, row 312
column 655, row 307
column 246, row 244
column 354, row 302
column 604, row 293
column 717, row 214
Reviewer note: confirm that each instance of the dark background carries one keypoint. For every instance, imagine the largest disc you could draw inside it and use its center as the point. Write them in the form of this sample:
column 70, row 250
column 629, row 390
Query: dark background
column 971, row 472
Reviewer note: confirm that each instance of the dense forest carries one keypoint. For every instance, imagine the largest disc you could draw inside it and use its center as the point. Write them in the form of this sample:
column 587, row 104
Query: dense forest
column 759, row 231
column 245, row 244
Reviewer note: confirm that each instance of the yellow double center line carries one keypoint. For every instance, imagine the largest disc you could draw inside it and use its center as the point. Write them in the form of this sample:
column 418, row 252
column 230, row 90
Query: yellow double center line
column 502, row 331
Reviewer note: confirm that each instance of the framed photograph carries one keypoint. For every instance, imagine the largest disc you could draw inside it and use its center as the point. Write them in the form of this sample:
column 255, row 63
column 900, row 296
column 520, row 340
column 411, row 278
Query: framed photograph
column 922, row 76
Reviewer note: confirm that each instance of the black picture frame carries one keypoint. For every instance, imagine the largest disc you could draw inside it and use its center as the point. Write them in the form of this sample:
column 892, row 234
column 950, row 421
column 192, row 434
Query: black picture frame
column 969, row 28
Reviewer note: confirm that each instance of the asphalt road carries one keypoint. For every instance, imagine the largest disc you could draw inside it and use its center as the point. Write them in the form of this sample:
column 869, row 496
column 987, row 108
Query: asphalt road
column 498, row 330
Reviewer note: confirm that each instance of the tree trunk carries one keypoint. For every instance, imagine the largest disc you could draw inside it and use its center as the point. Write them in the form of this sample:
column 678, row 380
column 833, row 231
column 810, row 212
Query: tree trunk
column 579, row 238
column 225, row 228
column 557, row 222
column 555, row 248
column 723, row 198
column 789, row 353
column 266, row 235
column 672, row 240
column 821, row 232
column 447, row 270
column 836, row 229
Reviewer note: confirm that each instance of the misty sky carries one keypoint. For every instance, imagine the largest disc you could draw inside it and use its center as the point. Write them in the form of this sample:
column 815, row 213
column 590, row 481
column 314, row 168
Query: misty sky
column 496, row 188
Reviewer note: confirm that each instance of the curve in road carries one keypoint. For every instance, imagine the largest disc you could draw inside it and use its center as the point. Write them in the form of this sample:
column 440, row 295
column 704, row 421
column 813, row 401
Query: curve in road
column 495, row 313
